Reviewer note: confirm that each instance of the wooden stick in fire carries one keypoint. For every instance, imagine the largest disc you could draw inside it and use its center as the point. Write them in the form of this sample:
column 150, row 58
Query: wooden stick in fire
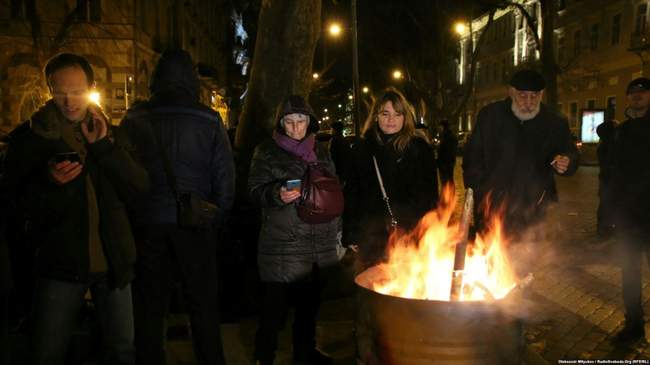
column 461, row 246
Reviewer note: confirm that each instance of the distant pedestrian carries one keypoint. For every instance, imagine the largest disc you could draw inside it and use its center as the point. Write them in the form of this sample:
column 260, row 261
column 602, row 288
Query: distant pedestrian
column 292, row 253
column 185, row 150
column 406, row 164
column 447, row 151
column 607, row 132
column 75, row 174
column 631, row 187
column 513, row 153
column 339, row 149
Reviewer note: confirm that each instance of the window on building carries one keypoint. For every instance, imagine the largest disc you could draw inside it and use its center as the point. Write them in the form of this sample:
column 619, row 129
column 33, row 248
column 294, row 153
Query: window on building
column 573, row 114
column 576, row 43
column 611, row 107
column 18, row 9
column 616, row 29
column 641, row 18
column 593, row 38
column 89, row 10
column 561, row 4
column 591, row 104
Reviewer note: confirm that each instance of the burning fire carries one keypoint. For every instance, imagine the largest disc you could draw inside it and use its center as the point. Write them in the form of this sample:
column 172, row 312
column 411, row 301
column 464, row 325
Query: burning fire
column 421, row 262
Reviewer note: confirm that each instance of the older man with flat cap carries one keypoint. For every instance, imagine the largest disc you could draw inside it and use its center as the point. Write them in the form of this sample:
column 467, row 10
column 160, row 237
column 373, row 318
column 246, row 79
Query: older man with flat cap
column 630, row 189
column 516, row 147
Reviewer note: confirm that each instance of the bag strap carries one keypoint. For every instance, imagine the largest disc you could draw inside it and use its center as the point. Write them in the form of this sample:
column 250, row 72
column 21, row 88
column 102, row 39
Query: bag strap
column 393, row 220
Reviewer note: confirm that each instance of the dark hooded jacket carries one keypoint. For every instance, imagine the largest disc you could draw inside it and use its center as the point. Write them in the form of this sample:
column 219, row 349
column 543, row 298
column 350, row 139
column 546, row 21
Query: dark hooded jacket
column 59, row 214
column 630, row 178
column 511, row 160
column 192, row 137
column 288, row 247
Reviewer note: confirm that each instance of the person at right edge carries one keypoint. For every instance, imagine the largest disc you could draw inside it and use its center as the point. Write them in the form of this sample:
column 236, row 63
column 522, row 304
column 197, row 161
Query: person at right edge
column 193, row 141
column 631, row 189
column 513, row 153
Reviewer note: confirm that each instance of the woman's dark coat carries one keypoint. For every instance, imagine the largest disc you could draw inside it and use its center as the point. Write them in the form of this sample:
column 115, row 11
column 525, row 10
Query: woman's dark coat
column 288, row 247
column 411, row 184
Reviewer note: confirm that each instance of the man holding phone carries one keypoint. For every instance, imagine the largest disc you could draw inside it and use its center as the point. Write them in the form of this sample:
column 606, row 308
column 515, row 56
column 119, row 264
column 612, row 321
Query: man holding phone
column 72, row 174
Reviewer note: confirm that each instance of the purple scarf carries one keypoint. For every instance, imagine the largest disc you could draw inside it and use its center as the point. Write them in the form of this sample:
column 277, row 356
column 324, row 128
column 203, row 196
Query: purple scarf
column 303, row 149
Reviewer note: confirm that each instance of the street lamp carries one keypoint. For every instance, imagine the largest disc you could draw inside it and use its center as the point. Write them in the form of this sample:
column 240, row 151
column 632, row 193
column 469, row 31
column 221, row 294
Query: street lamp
column 335, row 29
column 315, row 75
column 94, row 96
column 365, row 89
column 397, row 75
column 460, row 28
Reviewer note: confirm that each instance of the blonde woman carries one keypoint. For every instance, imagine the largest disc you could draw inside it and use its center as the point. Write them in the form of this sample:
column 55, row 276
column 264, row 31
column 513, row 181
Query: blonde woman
column 406, row 163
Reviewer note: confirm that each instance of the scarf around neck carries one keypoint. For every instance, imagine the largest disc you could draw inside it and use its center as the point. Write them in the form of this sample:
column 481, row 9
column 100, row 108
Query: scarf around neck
column 304, row 149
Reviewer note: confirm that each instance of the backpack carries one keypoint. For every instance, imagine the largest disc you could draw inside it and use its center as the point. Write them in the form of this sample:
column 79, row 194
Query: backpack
column 322, row 195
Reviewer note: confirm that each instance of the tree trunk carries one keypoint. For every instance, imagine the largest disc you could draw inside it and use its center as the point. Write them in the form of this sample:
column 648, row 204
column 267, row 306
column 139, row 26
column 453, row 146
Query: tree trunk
column 550, row 68
column 287, row 35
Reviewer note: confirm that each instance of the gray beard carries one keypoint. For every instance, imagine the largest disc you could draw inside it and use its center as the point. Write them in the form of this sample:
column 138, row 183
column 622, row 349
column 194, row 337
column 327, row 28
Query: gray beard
column 523, row 116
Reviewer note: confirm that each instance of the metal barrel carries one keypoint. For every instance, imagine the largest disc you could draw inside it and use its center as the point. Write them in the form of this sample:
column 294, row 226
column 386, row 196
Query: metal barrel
column 414, row 332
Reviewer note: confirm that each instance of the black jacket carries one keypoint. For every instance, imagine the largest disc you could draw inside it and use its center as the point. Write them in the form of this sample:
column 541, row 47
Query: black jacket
column 447, row 150
column 288, row 247
column 59, row 214
column 191, row 136
column 411, row 185
column 511, row 158
column 197, row 147
column 631, row 175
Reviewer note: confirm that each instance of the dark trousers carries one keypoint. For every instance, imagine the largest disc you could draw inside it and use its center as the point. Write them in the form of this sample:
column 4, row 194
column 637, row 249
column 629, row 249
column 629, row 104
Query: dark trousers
column 163, row 252
column 633, row 249
column 276, row 302
column 56, row 311
column 446, row 175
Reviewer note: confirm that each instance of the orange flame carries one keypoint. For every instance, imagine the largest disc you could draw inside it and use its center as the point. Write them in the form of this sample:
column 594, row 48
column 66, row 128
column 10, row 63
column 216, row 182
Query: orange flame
column 421, row 262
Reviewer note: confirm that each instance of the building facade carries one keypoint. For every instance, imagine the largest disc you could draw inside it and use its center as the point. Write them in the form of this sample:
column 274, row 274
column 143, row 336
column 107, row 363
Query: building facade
column 600, row 46
column 122, row 39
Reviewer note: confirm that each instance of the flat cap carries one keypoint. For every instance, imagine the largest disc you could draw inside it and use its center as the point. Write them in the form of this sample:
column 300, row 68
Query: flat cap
column 638, row 84
column 528, row 80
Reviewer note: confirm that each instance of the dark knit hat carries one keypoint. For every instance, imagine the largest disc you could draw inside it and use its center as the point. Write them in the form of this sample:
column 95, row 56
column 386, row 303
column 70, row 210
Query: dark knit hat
column 528, row 80
column 297, row 104
column 638, row 84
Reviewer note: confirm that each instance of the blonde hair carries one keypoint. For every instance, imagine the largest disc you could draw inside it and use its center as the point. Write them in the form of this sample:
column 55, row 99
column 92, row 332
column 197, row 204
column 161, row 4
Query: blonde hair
column 401, row 105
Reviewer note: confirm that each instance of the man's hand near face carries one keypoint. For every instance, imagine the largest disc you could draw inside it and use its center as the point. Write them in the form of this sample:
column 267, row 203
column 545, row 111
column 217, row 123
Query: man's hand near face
column 64, row 172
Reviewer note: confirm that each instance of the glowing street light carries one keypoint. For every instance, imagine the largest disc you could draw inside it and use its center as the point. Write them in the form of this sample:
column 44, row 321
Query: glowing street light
column 335, row 29
column 325, row 110
column 315, row 75
column 460, row 28
column 94, row 96
column 397, row 74
column 365, row 89
column 340, row 106
column 350, row 97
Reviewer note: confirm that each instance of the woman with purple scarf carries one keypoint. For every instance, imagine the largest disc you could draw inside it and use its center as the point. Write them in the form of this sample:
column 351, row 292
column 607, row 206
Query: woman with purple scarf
column 292, row 254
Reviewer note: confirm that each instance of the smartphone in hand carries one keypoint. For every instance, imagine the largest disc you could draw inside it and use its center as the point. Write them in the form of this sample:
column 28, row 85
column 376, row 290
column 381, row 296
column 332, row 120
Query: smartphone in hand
column 67, row 156
column 293, row 185
column 90, row 124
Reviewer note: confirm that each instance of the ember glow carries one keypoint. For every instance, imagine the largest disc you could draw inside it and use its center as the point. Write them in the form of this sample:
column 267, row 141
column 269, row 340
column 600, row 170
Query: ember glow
column 420, row 263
